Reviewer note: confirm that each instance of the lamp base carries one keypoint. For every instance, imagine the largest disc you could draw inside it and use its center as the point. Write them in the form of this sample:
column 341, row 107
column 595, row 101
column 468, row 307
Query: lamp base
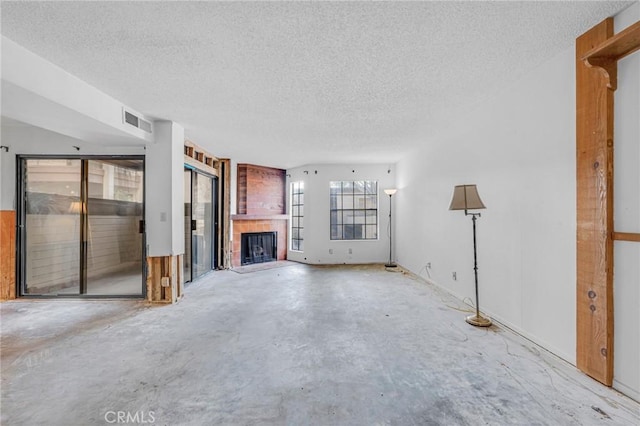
column 478, row 321
column 390, row 265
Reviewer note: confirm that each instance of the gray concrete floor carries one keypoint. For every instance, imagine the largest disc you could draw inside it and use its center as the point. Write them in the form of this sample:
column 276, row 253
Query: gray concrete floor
column 347, row 345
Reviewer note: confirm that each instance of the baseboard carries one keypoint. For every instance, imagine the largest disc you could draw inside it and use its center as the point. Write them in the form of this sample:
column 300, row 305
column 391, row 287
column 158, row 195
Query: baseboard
column 626, row 390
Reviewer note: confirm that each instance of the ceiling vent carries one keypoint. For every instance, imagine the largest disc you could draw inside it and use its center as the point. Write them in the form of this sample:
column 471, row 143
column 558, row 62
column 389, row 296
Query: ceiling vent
column 135, row 121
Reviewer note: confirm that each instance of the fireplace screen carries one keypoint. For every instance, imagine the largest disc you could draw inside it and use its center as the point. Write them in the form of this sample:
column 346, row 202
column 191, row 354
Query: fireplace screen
column 259, row 247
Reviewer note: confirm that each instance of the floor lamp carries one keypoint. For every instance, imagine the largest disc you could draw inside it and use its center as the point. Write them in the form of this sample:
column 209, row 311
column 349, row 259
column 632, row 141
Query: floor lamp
column 390, row 193
column 465, row 197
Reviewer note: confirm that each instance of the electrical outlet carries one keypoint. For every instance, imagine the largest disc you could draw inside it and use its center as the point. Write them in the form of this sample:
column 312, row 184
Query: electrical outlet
column 428, row 265
column 330, row 251
column 350, row 251
column 455, row 276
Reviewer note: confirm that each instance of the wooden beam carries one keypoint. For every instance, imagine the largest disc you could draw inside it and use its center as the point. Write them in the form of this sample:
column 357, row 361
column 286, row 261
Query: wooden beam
column 7, row 254
column 617, row 47
column 200, row 166
column 626, row 236
column 224, row 222
column 594, row 162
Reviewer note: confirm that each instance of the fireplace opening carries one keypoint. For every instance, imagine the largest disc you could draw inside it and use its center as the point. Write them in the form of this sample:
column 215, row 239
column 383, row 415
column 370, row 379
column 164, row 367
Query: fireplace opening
column 258, row 247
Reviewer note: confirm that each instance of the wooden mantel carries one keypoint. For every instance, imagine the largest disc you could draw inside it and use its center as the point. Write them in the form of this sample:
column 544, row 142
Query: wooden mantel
column 597, row 54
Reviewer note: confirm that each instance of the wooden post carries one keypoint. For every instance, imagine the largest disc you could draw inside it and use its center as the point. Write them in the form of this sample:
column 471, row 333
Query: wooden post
column 225, row 213
column 168, row 268
column 7, row 254
column 594, row 162
column 597, row 54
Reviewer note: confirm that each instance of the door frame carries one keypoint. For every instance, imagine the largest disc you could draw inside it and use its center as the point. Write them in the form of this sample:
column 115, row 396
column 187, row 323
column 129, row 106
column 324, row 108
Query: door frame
column 21, row 226
column 215, row 221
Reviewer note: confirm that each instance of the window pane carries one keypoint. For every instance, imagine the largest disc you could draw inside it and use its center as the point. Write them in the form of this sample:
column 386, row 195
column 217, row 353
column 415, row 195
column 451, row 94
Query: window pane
column 348, row 232
column 297, row 213
column 358, row 232
column 347, row 202
column 347, row 217
column 372, row 202
column 335, row 188
column 371, row 187
column 336, row 232
column 358, row 217
column 372, row 231
column 371, row 216
column 359, row 202
column 358, row 187
column 347, row 187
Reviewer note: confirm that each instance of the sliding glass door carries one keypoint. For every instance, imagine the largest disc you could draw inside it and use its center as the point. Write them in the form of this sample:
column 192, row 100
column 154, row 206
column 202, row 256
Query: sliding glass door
column 51, row 222
column 114, row 231
column 80, row 226
column 188, row 224
column 200, row 223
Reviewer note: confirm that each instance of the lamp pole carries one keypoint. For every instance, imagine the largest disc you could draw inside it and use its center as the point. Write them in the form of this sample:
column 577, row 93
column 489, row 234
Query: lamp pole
column 390, row 193
column 476, row 320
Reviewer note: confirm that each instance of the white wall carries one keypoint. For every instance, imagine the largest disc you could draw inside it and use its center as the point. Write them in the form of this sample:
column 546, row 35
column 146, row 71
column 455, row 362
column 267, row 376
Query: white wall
column 519, row 148
column 626, row 371
column 164, row 180
column 37, row 92
column 317, row 242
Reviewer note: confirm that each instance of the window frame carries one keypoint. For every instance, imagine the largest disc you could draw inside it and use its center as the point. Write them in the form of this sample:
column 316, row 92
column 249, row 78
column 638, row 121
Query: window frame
column 357, row 202
column 296, row 216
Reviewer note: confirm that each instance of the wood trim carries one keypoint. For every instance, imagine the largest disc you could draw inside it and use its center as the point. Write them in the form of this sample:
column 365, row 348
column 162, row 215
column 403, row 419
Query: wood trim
column 200, row 159
column 626, row 236
column 200, row 166
column 617, row 47
column 225, row 213
column 7, row 254
column 594, row 204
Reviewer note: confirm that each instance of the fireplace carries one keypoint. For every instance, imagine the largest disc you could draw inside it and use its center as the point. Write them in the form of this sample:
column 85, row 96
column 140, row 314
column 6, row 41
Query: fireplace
column 258, row 247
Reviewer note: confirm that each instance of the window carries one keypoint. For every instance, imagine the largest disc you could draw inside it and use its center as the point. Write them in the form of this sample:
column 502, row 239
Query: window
column 297, row 216
column 354, row 210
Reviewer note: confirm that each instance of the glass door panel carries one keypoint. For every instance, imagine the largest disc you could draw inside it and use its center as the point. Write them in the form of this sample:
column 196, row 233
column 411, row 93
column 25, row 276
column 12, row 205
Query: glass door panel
column 114, row 236
column 202, row 234
column 187, row 226
column 51, row 223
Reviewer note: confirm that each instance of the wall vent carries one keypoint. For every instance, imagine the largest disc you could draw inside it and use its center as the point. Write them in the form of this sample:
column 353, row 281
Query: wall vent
column 135, row 121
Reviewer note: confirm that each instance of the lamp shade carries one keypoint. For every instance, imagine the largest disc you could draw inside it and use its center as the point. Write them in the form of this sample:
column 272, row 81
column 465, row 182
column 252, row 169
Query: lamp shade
column 465, row 197
column 390, row 191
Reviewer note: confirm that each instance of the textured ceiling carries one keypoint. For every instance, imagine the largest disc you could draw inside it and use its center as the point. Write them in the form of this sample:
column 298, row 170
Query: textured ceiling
column 292, row 83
